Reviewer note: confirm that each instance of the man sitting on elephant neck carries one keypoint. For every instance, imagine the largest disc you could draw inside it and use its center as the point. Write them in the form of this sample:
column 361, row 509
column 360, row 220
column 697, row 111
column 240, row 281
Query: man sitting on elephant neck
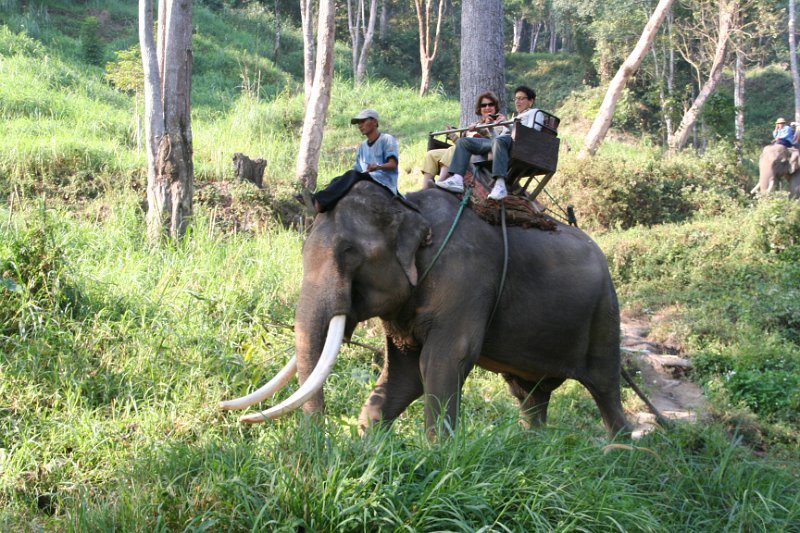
column 782, row 134
column 499, row 147
column 376, row 159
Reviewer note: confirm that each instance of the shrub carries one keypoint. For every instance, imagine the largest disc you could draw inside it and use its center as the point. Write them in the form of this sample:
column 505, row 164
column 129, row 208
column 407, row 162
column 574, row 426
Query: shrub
column 92, row 49
column 33, row 279
column 614, row 190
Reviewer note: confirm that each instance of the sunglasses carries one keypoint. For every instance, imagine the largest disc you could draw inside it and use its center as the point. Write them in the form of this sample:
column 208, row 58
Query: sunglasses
column 488, row 104
column 520, row 98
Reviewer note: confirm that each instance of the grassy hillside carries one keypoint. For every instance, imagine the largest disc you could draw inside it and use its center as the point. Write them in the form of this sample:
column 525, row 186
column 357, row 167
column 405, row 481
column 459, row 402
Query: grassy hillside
column 113, row 355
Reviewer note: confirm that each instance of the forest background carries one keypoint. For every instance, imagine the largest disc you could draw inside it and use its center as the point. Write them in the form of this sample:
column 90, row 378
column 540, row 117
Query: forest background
column 114, row 354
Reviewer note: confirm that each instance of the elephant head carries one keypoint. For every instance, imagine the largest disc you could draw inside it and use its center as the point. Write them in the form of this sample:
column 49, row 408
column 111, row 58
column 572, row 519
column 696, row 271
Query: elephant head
column 776, row 163
column 359, row 261
column 557, row 318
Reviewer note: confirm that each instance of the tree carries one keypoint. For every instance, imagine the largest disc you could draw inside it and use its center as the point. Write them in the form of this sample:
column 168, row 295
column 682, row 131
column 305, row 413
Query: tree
column 426, row 55
column 307, row 22
column 168, row 129
column 361, row 32
column 320, row 96
column 125, row 73
column 482, row 57
column 726, row 12
column 738, row 102
column 793, row 60
column 603, row 119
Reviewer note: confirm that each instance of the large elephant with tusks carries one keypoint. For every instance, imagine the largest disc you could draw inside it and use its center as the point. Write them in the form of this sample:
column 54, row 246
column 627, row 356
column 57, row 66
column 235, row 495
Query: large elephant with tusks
column 778, row 163
column 556, row 318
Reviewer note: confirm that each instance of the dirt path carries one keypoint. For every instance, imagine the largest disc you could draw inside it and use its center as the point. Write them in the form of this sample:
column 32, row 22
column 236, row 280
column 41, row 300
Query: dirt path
column 662, row 372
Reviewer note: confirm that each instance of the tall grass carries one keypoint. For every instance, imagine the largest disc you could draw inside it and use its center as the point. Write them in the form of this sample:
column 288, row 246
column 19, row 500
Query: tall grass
column 114, row 369
column 113, row 355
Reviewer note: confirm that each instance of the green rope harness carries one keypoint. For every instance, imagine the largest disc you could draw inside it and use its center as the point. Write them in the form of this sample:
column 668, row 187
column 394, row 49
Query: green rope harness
column 461, row 207
column 505, row 261
column 464, row 202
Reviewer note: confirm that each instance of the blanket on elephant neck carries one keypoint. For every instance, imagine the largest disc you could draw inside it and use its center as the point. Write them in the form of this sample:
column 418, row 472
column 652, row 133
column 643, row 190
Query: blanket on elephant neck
column 519, row 210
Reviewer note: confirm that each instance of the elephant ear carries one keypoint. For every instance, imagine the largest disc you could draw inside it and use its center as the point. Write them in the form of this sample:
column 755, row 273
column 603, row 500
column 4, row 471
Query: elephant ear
column 411, row 232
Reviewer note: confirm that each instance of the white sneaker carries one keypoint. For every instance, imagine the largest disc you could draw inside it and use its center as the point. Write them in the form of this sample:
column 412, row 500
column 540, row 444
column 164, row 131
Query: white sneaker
column 454, row 183
column 499, row 191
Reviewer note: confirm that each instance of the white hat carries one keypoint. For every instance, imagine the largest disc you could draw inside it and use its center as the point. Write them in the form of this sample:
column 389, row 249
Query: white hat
column 363, row 115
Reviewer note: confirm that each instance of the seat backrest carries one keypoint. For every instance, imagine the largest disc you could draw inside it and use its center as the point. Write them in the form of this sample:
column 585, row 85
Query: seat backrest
column 436, row 144
column 535, row 149
column 546, row 122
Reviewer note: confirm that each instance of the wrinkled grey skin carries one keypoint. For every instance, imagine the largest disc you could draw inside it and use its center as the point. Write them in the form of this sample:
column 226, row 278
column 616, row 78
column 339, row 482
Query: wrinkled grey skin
column 776, row 164
column 558, row 317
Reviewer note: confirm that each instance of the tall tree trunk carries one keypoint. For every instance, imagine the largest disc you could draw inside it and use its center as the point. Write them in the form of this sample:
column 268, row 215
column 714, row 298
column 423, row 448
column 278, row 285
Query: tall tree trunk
column 726, row 13
column 603, row 119
column 168, row 128
column 383, row 23
column 426, row 55
column 518, row 25
column 551, row 47
column 317, row 108
column 482, row 59
column 307, row 21
column 368, row 32
column 666, row 77
column 535, row 36
column 277, row 47
column 738, row 101
column 793, row 60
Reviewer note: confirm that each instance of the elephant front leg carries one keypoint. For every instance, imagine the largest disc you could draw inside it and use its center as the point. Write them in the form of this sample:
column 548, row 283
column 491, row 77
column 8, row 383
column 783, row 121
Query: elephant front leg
column 445, row 365
column 399, row 384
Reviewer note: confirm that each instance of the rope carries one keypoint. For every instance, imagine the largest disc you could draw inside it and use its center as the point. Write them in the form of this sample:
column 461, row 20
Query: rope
column 569, row 212
column 660, row 419
column 505, row 261
column 461, row 207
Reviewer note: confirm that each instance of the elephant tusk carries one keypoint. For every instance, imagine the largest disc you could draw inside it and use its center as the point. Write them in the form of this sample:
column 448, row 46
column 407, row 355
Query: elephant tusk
column 314, row 382
column 771, row 185
column 274, row 385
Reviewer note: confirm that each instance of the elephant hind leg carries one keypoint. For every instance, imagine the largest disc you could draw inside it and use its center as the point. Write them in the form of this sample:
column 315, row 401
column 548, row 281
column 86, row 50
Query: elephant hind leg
column 609, row 403
column 533, row 396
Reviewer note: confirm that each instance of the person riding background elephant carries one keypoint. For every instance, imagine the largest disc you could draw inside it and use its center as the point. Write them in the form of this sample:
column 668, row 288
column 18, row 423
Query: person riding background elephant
column 779, row 161
column 556, row 319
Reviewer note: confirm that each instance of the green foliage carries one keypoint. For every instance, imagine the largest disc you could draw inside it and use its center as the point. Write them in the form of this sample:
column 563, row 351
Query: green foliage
column 114, row 355
column 622, row 189
column 776, row 225
column 34, row 278
column 125, row 72
column 553, row 78
column 736, row 279
column 113, row 423
column 92, row 49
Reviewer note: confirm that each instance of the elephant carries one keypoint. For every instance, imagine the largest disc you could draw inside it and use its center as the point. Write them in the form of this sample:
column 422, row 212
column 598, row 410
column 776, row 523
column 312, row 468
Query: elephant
column 557, row 318
column 776, row 162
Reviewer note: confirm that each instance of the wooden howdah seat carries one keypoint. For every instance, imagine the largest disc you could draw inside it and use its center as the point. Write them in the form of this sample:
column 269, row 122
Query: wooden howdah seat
column 534, row 153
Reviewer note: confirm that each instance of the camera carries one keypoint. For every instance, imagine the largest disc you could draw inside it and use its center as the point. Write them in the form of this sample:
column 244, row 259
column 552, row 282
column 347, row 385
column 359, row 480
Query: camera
column 494, row 115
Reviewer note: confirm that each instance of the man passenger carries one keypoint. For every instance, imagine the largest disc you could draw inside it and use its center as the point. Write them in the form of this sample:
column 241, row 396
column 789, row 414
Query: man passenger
column 499, row 147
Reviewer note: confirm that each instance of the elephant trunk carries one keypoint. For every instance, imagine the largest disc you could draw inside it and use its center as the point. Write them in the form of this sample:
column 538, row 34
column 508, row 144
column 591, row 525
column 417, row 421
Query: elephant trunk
column 310, row 391
column 319, row 331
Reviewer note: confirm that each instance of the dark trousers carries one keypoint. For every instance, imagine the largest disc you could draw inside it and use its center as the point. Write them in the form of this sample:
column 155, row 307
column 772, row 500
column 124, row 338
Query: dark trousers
column 337, row 188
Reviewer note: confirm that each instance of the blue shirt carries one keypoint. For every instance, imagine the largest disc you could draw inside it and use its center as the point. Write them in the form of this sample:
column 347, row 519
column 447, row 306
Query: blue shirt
column 384, row 147
column 784, row 136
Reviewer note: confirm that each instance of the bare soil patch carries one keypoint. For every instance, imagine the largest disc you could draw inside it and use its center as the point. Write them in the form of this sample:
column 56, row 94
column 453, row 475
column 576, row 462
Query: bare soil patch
column 663, row 371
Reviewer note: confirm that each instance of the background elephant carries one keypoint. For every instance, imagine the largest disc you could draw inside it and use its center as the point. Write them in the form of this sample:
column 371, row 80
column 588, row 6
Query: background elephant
column 557, row 318
column 776, row 163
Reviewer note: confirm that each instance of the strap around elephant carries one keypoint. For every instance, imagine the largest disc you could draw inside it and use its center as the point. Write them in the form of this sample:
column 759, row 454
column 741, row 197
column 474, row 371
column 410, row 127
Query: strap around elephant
column 505, row 262
column 461, row 207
